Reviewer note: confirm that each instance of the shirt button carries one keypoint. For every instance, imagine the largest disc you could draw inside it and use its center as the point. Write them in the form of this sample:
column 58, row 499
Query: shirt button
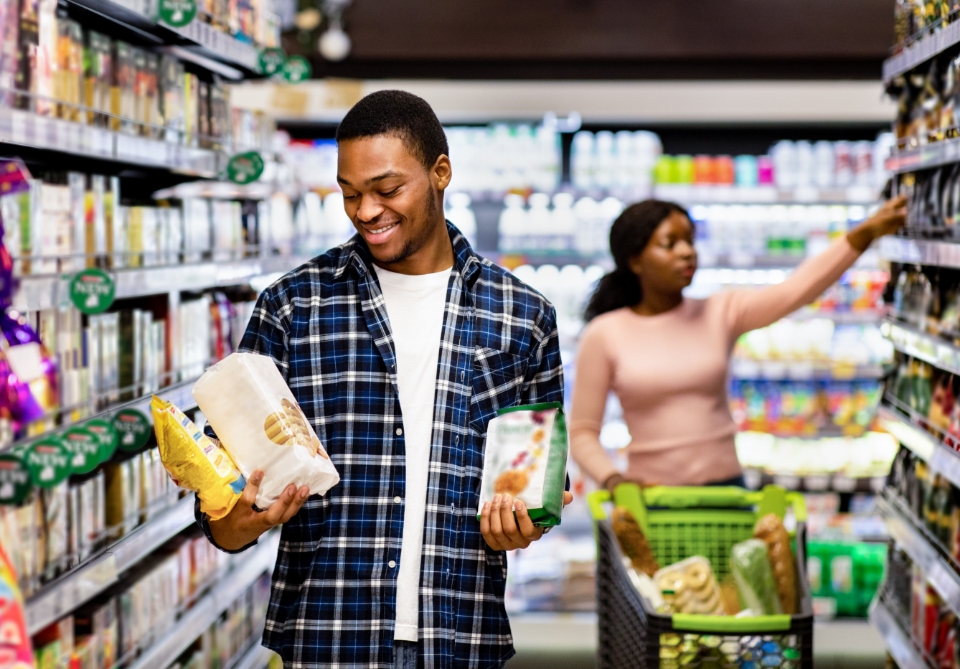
column 399, row 431
column 462, row 374
column 391, row 564
column 397, row 500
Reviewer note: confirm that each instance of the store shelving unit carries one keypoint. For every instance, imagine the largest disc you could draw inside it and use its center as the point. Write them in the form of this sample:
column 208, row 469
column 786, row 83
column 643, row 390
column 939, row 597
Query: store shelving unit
column 803, row 371
column 912, row 433
column 255, row 657
column 896, row 638
column 920, row 51
column 723, row 194
column 918, row 344
column 840, row 483
column 920, row 251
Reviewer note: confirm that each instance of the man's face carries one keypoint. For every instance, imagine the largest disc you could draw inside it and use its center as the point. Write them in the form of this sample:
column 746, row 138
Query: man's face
column 392, row 199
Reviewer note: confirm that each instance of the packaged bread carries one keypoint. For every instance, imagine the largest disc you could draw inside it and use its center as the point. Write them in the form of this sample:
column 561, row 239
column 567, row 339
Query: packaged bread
column 754, row 576
column 526, row 457
column 261, row 426
column 632, row 541
column 194, row 461
column 694, row 586
column 770, row 530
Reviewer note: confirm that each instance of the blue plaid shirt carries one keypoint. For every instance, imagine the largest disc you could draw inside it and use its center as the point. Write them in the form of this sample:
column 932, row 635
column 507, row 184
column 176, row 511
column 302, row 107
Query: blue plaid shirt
column 333, row 602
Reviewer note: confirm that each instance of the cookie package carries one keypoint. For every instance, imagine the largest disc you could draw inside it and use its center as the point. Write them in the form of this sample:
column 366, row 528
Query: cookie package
column 526, row 457
column 259, row 423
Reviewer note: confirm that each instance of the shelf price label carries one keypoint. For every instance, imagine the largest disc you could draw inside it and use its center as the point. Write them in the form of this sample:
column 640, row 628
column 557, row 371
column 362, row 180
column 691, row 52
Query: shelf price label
column 296, row 69
column 133, row 428
column 14, row 479
column 272, row 60
column 177, row 13
column 245, row 168
column 92, row 291
column 49, row 462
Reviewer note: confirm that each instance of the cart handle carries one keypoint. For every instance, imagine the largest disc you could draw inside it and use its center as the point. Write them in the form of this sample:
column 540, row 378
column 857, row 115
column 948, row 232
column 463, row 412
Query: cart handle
column 696, row 622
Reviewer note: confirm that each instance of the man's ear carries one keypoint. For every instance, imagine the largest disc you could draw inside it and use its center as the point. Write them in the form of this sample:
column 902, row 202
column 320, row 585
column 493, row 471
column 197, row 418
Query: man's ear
column 442, row 172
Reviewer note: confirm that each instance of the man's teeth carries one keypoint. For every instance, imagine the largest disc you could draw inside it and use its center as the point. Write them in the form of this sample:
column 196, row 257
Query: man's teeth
column 384, row 229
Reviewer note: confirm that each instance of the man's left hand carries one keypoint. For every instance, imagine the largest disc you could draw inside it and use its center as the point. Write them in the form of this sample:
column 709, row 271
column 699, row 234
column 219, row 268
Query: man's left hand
column 504, row 532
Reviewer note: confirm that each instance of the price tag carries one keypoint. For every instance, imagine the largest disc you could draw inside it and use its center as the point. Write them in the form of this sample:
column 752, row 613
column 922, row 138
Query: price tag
column 18, row 127
column 843, row 483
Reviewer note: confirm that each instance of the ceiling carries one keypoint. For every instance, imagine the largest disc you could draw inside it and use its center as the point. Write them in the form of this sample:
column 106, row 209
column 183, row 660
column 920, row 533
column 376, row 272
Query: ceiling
column 611, row 39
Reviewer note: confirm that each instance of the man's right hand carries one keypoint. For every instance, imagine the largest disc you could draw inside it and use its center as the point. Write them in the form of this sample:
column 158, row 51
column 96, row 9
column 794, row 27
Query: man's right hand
column 243, row 525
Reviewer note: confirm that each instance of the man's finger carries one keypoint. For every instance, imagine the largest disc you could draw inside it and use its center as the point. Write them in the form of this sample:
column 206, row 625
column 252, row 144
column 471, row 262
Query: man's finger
column 278, row 508
column 485, row 527
column 524, row 523
column 496, row 526
column 299, row 500
column 249, row 495
column 508, row 522
column 567, row 497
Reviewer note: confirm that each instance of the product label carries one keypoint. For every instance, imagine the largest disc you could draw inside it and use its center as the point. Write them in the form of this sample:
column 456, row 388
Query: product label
column 297, row 69
column 85, row 448
column 49, row 462
column 26, row 361
column 15, row 481
column 133, row 429
column 245, row 168
column 92, row 291
column 272, row 61
column 106, row 434
column 177, row 13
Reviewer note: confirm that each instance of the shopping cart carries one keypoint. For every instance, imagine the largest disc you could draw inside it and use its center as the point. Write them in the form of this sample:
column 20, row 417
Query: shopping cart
column 680, row 523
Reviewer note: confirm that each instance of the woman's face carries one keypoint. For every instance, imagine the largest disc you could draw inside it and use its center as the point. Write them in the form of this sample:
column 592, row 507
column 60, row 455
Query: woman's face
column 669, row 261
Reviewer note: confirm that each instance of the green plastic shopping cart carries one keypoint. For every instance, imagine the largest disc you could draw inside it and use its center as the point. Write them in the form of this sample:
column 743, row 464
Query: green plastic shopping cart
column 680, row 523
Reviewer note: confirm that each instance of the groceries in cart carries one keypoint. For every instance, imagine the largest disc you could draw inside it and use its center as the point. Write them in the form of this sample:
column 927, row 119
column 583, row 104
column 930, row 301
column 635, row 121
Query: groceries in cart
column 526, row 457
column 762, row 578
column 259, row 423
column 195, row 461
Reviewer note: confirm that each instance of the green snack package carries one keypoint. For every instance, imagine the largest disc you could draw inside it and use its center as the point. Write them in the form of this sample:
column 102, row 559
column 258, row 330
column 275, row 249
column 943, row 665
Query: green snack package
column 526, row 457
column 750, row 564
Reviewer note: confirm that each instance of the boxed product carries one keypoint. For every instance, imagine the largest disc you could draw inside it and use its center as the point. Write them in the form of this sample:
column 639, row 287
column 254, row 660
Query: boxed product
column 260, row 424
column 526, row 457
column 195, row 461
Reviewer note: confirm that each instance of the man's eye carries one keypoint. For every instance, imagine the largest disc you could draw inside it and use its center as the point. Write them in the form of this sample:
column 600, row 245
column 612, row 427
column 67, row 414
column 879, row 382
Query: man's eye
column 390, row 193
column 350, row 197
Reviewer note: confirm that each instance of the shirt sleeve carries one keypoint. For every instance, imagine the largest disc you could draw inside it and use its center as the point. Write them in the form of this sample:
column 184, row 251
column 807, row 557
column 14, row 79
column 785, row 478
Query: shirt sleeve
column 591, row 387
column 751, row 309
column 543, row 381
column 265, row 335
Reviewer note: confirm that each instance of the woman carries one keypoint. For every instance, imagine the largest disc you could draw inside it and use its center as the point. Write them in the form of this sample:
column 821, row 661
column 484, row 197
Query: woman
column 666, row 357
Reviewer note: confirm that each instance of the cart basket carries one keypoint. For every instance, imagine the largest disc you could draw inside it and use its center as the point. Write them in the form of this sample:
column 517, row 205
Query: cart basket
column 680, row 523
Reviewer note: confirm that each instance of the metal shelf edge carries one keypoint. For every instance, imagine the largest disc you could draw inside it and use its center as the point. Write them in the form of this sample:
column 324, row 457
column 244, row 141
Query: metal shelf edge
column 256, row 657
column 89, row 580
column 205, row 612
column 897, row 641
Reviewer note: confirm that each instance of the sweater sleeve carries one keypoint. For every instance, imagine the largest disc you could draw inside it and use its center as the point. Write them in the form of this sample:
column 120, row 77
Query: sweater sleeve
column 751, row 309
column 594, row 377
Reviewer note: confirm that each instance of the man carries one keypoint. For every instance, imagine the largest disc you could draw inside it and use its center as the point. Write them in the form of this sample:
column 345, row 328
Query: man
column 400, row 346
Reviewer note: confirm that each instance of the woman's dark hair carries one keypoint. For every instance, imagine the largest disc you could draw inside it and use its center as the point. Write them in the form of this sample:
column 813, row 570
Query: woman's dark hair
column 629, row 236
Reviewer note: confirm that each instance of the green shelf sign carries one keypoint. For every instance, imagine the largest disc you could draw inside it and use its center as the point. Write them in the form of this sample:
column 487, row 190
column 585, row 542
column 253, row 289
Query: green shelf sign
column 297, row 69
column 85, row 448
column 107, row 436
column 92, row 291
column 177, row 13
column 133, row 428
column 49, row 462
column 272, row 60
column 245, row 168
column 15, row 483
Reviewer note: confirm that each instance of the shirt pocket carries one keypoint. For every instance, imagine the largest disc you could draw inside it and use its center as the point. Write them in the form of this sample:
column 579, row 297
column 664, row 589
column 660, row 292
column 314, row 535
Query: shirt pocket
column 497, row 382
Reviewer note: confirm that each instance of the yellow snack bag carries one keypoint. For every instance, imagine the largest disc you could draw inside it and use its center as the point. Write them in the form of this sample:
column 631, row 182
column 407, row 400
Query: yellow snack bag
column 195, row 461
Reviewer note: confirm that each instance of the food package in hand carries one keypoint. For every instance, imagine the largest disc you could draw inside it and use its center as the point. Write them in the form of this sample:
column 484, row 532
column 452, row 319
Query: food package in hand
column 771, row 531
column 526, row 457
column 634, row 544
column 694, row 586
column 261, row 426
column 194, row 461
column 751, row 569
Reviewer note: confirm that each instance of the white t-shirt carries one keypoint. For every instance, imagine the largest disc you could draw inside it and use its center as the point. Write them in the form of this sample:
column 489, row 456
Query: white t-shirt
column 415, row 306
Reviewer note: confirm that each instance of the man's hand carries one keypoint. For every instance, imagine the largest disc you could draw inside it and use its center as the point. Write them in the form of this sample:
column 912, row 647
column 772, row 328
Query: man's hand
column 243, row 525
column 502, row 531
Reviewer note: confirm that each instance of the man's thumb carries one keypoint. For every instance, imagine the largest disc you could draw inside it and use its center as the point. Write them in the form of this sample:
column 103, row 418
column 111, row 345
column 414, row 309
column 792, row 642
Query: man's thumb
column 253, row 487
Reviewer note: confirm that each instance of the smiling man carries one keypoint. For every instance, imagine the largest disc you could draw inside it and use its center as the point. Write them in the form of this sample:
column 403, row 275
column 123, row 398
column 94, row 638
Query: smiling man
column 400, row 346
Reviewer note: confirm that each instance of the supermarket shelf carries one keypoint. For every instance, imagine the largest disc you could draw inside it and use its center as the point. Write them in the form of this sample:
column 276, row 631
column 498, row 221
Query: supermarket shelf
column 927, row 156
column 942, row 458
column 22, row 128
column 198, row 41
column 897, row 641
column 920, row 251
column 723, row 194
column 247, row 569
column 90, row 579
column 918, row 344
column 257, row 657
column 49, row 291
column 904, row 531
column 802, row 371
column 920, row 51
column 756, row 480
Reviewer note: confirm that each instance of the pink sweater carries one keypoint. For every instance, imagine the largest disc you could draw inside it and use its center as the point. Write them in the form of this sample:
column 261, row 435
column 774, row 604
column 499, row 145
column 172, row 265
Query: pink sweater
column 670, row 373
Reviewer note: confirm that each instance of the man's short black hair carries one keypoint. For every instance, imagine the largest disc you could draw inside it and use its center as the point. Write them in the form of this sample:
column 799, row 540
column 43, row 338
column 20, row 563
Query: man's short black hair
column 401, row 114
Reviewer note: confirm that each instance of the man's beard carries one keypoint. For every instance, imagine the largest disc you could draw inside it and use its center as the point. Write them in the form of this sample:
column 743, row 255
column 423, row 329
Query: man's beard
column 413, row 245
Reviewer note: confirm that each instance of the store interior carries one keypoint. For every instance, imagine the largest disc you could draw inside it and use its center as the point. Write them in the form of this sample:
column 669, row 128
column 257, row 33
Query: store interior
column 163, row 161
